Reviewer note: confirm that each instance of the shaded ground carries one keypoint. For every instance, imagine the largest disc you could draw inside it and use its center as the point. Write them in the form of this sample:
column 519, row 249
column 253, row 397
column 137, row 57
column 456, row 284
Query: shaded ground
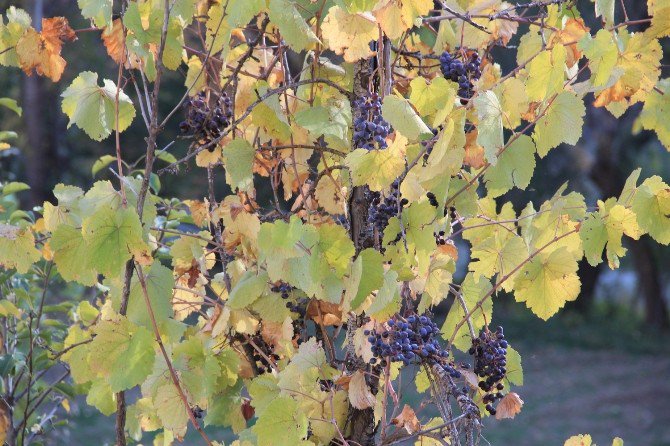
column 604, row 393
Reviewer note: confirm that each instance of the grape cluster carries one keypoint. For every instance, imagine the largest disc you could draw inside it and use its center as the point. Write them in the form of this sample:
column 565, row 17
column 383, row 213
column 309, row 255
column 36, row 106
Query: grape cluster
column 262, row 363
column 206, row 123
column 383, row 209
column 410, row 341
column 369, row 126
column 439, row 238
column 432, row 199
column 463, row 72
column 490, row 350
column 283, row 288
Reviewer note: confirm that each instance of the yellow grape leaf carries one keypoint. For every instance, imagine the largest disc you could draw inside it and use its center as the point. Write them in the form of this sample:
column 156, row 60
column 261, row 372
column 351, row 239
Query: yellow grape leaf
column 377, row 168
column 640, row 63
column 654, row 115
column 41, row 51
column 660, row 21
column 349, row 34
column 395, row 17
column 499, row 254
column 18, row 21
column 547, row 282
column 513, row 101
column 546, row 73
column 196, row 78
column 561, row 123
column 17, row 248
column 578, row 440
column 331, row 195
column 651, row 204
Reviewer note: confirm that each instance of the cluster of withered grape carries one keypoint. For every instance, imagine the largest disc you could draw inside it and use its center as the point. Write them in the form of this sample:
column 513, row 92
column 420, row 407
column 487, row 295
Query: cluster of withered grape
column 370, row 129
column 464, row 72
column 490, row 352
column 262, row 363
column 282, row 288
column 383, row 209
column 432, row 199
column 411, row 341
column 439, row 238
column 206, row 123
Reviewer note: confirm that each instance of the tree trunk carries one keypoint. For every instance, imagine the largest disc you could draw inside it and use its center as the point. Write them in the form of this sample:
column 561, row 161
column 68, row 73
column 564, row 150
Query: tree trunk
column 649, row 283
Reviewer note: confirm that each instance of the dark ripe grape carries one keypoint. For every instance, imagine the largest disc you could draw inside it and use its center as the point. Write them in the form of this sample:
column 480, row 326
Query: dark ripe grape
column 411, row 341
column 489, row 350
column 465, row 72
column 370, row 128
column 204, row 122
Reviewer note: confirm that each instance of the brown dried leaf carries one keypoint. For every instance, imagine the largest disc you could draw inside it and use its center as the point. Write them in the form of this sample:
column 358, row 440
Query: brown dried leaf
column 569, row 36
column 360, row 395
column 324, row 313
column 41, row 51
column 4, row 422
column 509, row 406
column 449, row 249
column 474, row 153
column 408, row 420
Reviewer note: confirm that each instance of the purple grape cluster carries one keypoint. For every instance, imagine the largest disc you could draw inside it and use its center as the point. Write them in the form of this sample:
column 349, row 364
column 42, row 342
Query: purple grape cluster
column 490, row 352
column 439, row 238
column 262, row 363
column 411, row 341
column 282, row 288
column 370, row 129
column 206, row 123
column 382, row 209
column 432, row 199
column 463, row 72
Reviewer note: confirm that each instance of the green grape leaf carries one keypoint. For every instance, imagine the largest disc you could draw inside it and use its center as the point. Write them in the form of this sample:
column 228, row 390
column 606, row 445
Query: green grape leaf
column 99, row 11
column 249, row 288
column 281, row 415
column 92, row 108
column 594, row 238
column 398, row 112
column 514, row 370
column 547, row 282
column 490, row 127
column 329, row 121
column 367, row 275
column 101, row 163
column 72, row 256
column 514, row 168
column 159, row 281
column 11, row 104
column 238, row 159
column 295, row 31
column 602, row 53
column 562, row 123
column 337, row 247
column 112, row 236
column 122, row 353
column 434, row 98
column 655, row 112
column 17, row 248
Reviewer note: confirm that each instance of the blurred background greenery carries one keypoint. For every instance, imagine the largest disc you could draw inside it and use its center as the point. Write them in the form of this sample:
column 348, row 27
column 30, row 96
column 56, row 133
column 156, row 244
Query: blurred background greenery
column 601, row 366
